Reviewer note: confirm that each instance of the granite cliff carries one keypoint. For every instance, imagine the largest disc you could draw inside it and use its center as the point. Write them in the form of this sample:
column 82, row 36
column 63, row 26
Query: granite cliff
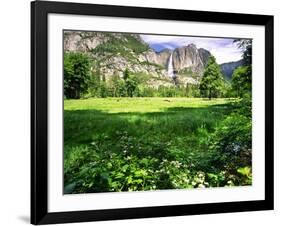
column 112, row 53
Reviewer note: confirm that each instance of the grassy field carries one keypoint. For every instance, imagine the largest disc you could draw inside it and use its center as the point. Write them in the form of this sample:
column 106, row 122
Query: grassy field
column 131, row 144
column 170, row 118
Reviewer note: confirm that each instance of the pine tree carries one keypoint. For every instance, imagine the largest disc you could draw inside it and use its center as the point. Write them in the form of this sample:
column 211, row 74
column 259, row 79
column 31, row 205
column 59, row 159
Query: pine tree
column 212, row 80
column 126, row 74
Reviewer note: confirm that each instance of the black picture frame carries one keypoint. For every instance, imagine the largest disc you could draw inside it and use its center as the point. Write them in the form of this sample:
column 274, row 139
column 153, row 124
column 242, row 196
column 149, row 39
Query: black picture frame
column 39, row 112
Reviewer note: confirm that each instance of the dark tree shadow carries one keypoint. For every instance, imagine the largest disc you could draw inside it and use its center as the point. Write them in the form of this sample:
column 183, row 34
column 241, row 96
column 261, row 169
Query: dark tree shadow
column 78, row 124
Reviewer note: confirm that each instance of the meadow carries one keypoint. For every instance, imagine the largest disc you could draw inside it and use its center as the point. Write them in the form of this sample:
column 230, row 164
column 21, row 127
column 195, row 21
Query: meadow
column 134, row 144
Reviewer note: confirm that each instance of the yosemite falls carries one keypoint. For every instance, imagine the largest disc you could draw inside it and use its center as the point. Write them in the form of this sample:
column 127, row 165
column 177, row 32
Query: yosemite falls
column 171, row 67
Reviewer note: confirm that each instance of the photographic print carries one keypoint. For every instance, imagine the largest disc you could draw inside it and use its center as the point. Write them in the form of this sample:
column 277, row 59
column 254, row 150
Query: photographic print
column 149, row 112
column 144, row 112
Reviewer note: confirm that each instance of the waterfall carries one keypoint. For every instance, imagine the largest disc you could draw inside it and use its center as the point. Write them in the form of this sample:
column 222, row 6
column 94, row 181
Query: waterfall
column 171, row 67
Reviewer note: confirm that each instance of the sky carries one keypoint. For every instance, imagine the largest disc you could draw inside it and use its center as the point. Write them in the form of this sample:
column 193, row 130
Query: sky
column 223, row 49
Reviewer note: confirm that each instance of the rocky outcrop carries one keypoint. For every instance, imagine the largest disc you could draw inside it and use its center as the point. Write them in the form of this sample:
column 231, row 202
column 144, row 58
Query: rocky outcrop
column 190, row 57
column 116, row 65
column 77, row 41
column 160, row 58
column 204, row 55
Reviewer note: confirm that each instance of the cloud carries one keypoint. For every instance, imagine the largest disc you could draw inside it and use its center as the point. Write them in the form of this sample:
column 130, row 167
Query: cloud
column 222, row 48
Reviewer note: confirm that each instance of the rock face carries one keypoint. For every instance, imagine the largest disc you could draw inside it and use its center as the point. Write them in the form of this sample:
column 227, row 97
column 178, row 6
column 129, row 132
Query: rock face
column 204, row 55
column 112, row 53
column 160, row 58
column 190, row 57
column 82, row 41
column 228, row 68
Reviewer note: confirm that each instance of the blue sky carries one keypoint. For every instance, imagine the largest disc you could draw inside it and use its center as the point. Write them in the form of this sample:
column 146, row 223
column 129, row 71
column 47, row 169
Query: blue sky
column 223, row 49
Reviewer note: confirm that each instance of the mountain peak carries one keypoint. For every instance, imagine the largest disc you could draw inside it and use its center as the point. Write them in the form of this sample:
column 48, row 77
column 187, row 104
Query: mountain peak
column 190, row 57
column 191, row 45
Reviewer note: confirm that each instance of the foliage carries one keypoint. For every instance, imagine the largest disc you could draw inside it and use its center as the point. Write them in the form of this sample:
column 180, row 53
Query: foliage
column 131, row 83
column 131, row 86
column 246, row 46
column 232, row 143
column 126, row 74
column 227, row 91
column 242, row 76
column 135, row 86
column 232, row 136
column 76, row 74
column 94, row 84
column 212, row 80
column 242, row 80
column 116, row 87
column 133, row 144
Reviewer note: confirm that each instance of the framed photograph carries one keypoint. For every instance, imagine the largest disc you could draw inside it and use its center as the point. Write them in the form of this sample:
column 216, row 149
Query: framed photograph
column 144, row 112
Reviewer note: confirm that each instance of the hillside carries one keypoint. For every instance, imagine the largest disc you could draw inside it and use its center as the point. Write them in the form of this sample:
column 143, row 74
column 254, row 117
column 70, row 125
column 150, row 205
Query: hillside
column 112, row 53
column 228, row 68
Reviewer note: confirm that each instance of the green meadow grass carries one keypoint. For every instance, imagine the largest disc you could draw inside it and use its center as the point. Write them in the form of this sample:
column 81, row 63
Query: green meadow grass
column 168, row 117
column 108, row 140
column 140, row 104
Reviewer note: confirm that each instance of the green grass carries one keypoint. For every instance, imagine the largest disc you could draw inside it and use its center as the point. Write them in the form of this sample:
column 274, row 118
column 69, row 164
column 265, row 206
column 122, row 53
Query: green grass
column 125, row 144
column 170, row 118
column 141, row 105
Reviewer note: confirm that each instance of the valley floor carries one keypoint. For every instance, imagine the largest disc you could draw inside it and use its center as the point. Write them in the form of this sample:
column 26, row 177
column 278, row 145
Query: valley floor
column 131, row 144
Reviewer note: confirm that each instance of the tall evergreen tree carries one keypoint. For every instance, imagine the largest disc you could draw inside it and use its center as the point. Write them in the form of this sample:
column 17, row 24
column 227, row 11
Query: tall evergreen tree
column 76, row 74
column 212, row 80
column 126, row 74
